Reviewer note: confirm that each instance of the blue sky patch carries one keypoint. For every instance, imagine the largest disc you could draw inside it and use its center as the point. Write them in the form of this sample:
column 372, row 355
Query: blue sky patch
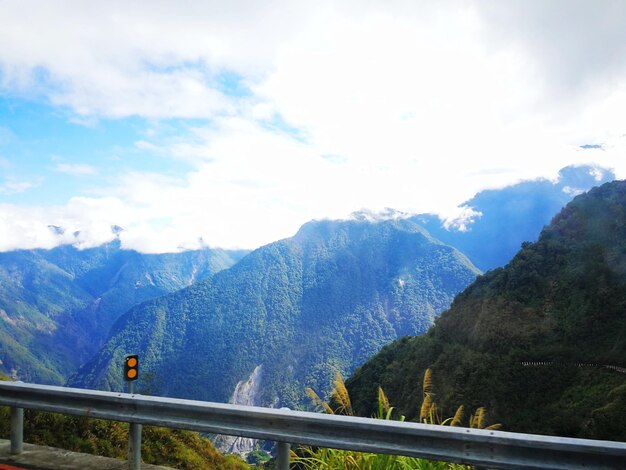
column 46, row 157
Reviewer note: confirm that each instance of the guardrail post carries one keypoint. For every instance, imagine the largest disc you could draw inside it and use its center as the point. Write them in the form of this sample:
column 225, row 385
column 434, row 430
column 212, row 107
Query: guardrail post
column 282, row 462
column 134, row 446
column 17, row 430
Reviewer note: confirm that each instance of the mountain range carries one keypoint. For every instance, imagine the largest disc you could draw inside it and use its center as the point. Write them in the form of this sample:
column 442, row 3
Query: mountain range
column 541, row 342
column 211, row 323
column 298, row 309
column 57, row 306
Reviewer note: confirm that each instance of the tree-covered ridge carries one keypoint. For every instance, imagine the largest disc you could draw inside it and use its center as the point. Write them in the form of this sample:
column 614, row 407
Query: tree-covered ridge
column 57, row 306
column 561, row 300
column 323, row 300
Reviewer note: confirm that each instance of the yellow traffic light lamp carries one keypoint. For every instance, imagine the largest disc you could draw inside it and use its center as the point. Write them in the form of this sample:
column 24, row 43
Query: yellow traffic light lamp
column 131, row 370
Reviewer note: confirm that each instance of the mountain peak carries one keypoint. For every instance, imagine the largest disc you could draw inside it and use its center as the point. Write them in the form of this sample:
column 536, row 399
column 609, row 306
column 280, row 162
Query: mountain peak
column 325, row 299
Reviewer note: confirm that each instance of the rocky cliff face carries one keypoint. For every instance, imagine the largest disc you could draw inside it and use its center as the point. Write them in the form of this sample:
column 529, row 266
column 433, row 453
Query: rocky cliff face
column 247, row 392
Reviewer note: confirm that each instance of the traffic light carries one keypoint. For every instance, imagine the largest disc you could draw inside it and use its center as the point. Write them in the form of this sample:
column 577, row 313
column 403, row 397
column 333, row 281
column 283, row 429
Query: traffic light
column 131, row 367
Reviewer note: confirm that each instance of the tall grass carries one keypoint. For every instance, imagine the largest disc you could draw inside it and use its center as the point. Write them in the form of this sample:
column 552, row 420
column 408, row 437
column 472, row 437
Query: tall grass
column 310, row 458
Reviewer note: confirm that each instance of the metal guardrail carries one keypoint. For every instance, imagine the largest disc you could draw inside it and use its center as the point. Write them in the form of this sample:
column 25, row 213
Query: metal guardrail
column 490, row 449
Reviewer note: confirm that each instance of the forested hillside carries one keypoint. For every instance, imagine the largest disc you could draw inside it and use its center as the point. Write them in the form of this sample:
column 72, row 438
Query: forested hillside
column 57, row 306
column 326, row 299
column 561, row 301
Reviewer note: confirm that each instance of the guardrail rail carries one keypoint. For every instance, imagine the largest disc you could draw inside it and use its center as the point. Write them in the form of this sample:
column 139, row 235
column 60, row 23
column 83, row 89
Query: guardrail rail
column 483, row 448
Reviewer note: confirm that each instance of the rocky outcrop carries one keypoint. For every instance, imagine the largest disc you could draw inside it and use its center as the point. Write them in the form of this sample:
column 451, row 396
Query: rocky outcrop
column 247, row 392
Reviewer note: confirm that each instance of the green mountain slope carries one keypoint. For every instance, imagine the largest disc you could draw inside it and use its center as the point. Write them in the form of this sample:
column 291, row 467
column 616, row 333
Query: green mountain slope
column 326, row 299
column 57, row 306
column 561, row 301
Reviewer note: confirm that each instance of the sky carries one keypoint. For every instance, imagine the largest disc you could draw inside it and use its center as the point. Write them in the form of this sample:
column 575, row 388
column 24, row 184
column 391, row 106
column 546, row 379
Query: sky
column 230, row 124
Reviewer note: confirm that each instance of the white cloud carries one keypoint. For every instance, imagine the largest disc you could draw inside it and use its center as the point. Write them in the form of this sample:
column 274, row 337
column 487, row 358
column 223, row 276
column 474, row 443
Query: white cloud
column 461, row 221
column 405, row 104
column 13, row 186
column 86, row 223
column 153, row 59
column 597, row 173
column 145, row 145
column 577, row 47
column 75, row 169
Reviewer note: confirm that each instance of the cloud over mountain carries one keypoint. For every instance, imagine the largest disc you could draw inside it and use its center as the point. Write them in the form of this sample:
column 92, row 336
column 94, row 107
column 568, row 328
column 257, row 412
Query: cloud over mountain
column 208, row 120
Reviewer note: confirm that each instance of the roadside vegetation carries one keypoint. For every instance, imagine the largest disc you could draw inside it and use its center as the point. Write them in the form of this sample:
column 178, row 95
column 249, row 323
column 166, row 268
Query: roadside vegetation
column 184, row 450
column 310, row 458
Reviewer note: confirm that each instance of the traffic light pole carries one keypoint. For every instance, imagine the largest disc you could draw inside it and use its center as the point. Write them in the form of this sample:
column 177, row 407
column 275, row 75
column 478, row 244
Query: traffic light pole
column 134, row 438
column 134, row 447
